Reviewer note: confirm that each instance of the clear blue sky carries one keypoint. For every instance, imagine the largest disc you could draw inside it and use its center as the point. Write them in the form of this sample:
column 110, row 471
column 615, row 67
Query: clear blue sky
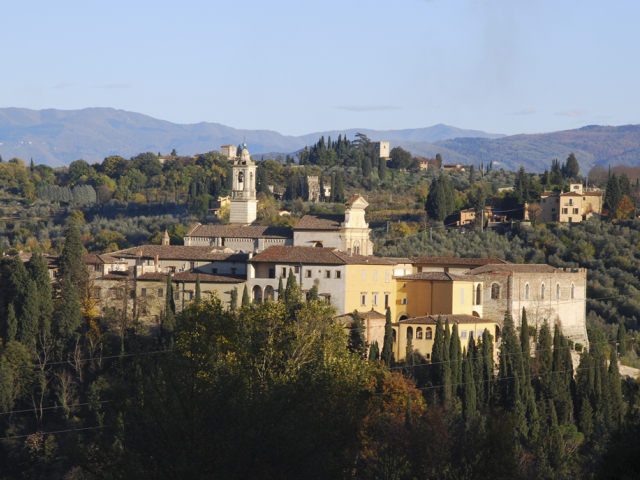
column 300, row 66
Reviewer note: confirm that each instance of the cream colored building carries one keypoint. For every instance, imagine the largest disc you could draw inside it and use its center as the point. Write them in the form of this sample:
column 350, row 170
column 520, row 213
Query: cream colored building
column 244, row 205
column 383, row 149
column 348, row 232
column 573, row 206
column 229, row 151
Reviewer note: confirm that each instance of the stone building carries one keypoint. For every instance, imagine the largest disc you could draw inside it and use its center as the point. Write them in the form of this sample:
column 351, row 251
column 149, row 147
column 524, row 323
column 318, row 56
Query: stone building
column 229, row 151
column 244, row 205
column 247, row 238
column 557, row 295
column 314, row 188
column 373, row 322
column 451, row 264
column 383, row 149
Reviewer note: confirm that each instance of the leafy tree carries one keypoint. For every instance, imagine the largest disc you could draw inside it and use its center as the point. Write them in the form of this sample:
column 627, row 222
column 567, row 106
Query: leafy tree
column 312, row 294
column 400, row 158
column 387, row 347
column 79, row 169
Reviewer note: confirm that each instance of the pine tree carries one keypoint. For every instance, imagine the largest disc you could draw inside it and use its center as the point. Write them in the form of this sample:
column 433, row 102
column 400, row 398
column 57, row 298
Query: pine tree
column 357, row 343
column 456, row 359
column 557, row 386
column 12, row 324
column 234, row 299
column 246, row 302
column 374, row 351
column 437, row 353
column 585, row 393
column 198, row 292
column 72, row 264
column 387, row 346
column 622, row 340
column 468, row 390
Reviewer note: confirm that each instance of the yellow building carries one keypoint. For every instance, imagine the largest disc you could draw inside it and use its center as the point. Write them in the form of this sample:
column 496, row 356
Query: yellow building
column 573, row 206
column 421, row 331
column 437, row 293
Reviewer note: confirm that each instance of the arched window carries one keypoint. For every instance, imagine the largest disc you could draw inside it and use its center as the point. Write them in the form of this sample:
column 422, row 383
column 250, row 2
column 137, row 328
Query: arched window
column 558, row 291
column 573, row 291
column 495, row 291
column 428, row 334
column 542, row 292
column 419, row 333
column 479, row 295
column 240, row 177
column 356, row 248
column 526, row 292
column 409, row 333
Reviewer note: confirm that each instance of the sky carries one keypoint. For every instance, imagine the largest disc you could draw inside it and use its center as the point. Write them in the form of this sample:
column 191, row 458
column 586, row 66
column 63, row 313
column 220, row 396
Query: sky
column 303, row 66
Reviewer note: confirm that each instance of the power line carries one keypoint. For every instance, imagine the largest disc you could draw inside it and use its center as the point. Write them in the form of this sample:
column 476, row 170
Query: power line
column 51, row 433
column 51, row 408
column 96, row 358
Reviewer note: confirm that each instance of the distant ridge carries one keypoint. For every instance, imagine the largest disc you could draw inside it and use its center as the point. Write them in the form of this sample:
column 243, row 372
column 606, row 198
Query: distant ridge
column 58, row 137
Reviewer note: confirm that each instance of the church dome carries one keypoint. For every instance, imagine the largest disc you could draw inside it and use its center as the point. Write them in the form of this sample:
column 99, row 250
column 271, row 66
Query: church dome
column 245, row 156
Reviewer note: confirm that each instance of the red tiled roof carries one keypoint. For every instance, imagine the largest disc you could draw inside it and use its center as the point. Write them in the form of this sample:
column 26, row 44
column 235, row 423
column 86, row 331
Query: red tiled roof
column 437, row 277
column 240, row 231
column 320, row 222
column 191, row 276
column 458, row 261
column 515, row 268
column 432, row 319
column 315, row 255
column 179, row 252
column 364, row 259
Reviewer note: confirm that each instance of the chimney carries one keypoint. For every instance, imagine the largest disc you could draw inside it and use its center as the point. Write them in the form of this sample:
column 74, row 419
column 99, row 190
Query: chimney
column 156, row 260
column 165, row 238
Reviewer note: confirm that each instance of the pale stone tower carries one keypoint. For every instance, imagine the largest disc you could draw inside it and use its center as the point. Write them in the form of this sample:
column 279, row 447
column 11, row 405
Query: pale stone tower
column 165, row 238
column 244, row 206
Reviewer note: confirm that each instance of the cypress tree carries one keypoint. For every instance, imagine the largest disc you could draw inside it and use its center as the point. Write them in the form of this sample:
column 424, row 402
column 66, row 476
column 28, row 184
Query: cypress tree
column 476, row 361
column 543, row 351
column 557, row 386
column 468, row 390
column 488, row 365
column 622, row 343
column 245, row 297
column 312, row 294
column 456, row 359
column 366, row 167
column 234, row 299
column 408, row 354
column 198, row 292
column 510, row 364
column 357, row 343
column 17, row 284
column 584, row 393
column 382, row 169
column 374, row 351
column 387, row 346
column 281, row 291
column 72, row 264
column 437, row 353
column 12, row 324
column 39, row 272
column 170, row 304
column 292, row 294
column 615, row 392
column 524, row 343
column 30, row 316
column 69, row 316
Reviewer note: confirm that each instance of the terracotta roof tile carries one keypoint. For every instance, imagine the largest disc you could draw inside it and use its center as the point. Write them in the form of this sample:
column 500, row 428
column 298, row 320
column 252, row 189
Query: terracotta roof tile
column 191, row 276
column 457, row 261
column 179, row 252
column 365, row 259
column 320, row 222
column 305, row 255
column 432, row 319
column 240, row 231
column 437, row 276
column 515, row 268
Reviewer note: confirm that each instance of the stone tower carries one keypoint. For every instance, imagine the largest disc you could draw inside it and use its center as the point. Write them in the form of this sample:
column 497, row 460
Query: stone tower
column 244, row 206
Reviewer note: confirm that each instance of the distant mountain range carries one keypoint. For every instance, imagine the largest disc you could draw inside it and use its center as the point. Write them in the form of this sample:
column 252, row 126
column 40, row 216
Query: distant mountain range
column 57, row 137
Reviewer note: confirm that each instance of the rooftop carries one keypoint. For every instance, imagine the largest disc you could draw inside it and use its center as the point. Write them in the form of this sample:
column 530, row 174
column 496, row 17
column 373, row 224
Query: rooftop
column 515, row 268
column 191, row 276
column 437, row 277
column 239, row 231
column 458, row 261
column 179, row 252
column 432, row 319
column 316, row 255
column 320, row 222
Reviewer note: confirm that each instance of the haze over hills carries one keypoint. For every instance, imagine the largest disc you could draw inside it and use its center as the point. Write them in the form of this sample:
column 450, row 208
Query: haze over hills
column 57, row 137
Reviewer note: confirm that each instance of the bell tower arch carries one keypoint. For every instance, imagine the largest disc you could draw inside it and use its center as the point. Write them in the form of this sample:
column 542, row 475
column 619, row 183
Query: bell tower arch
column 244, row 205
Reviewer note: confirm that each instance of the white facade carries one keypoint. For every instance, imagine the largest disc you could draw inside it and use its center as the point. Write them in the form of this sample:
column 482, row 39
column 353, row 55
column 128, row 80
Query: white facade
column 244, row 206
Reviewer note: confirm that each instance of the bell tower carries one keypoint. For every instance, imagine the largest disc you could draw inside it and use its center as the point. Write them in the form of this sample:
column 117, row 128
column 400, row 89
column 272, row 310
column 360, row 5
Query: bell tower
column 244, row 206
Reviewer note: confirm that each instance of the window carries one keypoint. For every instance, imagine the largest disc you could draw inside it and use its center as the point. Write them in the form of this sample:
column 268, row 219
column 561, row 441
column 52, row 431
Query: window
column 428, row 356
column 479, row 295
column 190, row 296
column 575, row 211
column 143, row 292
column 374, row 300
column 419, row 269
column 338, row 274
column 573, row 291
column 307, row 274
column 526, row 292
column 192, row 264
column 495, row 291
column 284, row 272
column 419, row 333
column 161, row 292
column 233, row 271
column 386, row 276
column 96, row 268
column 363, row 299
column 544, row 200
column 571, row 201
column 403, row 301
column 462, row 297
column 570, row 220
column 463, row 334
column 364, row 275
column 557, row 291
column 542, row 292
column 409, row 333
column 428, row 334
column 565, row 211
column 394, row 336
column 176, row 295
column 386, row 301
column 557, row 200
column 375, row 275
column 96, row 292
column 327, row 274
column 296, row 269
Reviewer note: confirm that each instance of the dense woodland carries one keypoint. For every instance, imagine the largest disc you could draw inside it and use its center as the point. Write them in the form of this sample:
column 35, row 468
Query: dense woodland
column 279, row 390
